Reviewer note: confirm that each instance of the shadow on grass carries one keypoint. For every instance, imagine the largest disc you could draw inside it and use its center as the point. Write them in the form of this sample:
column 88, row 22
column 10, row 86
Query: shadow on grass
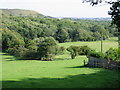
column 101, row 79
column 62, row 59
column 13, row 58
column 77, row 67
column 82, row 67
column 23, row 59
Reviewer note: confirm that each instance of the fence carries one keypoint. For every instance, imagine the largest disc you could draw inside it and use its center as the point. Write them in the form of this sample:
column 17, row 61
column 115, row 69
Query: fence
column 103, row 63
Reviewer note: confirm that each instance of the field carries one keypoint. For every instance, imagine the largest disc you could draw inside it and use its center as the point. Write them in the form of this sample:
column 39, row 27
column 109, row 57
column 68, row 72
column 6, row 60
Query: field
column 111, row 43
column 63, row 72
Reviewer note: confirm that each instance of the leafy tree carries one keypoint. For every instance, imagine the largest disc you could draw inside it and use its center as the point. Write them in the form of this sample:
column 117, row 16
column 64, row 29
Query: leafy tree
column 11, row 39
column 112, row 54
column 47, row 49
column 17, row 51
column 72, row 29
column 62, row 35
column 31, row 45
column 115, row 15
column 100, row 30
column 75, row 35
column 24, row 36
column 73, row 51
column 84, row 50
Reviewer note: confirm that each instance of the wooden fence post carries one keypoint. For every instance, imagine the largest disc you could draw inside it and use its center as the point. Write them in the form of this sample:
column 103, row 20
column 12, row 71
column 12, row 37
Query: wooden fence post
column 108, row 62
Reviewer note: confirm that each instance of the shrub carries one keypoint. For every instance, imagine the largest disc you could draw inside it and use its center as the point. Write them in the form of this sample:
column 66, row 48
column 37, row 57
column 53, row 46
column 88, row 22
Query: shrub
column 84, row 50
column 30, row 54
column 96, row 54
column 112, row 54
column 47, row 48
column 19, row 51
column 73, row 51
column 60, row 50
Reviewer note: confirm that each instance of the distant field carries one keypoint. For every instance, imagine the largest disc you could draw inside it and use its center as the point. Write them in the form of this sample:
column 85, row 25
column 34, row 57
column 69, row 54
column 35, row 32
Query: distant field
column 63, row 72
column 112, row 42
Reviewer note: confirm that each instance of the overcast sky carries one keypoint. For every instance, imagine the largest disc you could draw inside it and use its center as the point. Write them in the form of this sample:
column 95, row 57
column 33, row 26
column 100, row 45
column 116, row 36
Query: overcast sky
column 58, row 8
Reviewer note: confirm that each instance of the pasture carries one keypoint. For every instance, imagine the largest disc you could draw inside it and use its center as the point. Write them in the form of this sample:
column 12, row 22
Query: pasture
column 63, row 72
column 111, row 43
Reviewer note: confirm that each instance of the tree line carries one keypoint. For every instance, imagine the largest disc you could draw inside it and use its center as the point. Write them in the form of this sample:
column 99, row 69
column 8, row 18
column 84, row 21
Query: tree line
column 37, row 38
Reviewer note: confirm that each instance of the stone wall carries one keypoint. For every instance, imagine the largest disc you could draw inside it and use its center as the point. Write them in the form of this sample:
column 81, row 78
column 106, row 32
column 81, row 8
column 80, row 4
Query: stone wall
column 104, row 63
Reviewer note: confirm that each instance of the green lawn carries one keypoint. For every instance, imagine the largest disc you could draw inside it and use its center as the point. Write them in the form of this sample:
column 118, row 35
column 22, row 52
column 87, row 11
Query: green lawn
column 63, row 72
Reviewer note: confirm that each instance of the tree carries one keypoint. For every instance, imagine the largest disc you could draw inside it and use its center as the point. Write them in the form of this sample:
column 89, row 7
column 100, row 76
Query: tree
column 73, row 51
column 101, row 31
column 75, row 35
column 11, row 39
column 115, row 15
column 84, row 50
column 47, row 49
column 62, row 35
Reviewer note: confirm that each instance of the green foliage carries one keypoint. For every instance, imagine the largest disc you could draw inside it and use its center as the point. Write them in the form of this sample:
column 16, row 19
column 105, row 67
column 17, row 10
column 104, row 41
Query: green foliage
column 84, row 50
column 30, row 32
column 112, row 54
column 11, row 39
column 100, row 31
column 60, row 50
column 18, row 52
column 78, row 50
column 63, row 30
column 115, row 13
column 73, row 51
column 47, row 48
column 62, row 35
column 97, row 54
column 31, row 45
column 32, row 55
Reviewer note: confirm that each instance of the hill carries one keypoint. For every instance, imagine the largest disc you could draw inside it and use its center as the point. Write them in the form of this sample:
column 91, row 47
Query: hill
column 21, row 13
column 25, row 32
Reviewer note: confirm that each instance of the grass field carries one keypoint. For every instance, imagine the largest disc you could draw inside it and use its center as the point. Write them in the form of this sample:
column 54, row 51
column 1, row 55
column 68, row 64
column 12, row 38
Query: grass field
column 112, row 42
column 63, row 72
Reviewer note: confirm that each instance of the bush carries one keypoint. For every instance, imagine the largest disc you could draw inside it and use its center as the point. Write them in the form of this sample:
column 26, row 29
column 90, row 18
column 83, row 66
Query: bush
column 73, row 51
column 47, row 48
column 96, row 54
column 112, row 54
column 84, row 50
column 60, row 50
column 19, row 51
column 31, row 55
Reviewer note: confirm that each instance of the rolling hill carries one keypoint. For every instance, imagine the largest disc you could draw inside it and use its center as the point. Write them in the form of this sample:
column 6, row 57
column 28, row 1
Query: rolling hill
column 22, row 13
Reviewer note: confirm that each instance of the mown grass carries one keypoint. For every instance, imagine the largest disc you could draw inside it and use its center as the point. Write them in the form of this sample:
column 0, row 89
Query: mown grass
column 63, row 72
